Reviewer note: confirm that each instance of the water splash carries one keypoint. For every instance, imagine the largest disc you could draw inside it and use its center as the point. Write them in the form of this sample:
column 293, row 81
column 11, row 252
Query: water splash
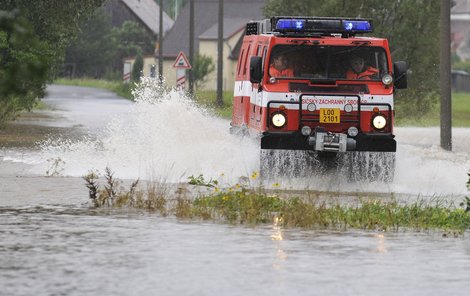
column 165, row 135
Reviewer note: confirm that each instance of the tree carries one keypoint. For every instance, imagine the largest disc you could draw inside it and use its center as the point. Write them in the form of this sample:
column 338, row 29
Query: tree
column 91, row 52
column 32, row 44
column 138, row 66
column 203, row 66
column 23, row 68
column 129, row 40
column 412, row 28
column 99, row 49
column 54, row 21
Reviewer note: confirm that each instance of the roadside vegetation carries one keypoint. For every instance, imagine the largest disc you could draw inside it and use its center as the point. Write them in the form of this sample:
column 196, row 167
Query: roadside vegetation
column 33, row 39
column 460, row 114
column 246, row 204
column 122, row 89
column 207, row 98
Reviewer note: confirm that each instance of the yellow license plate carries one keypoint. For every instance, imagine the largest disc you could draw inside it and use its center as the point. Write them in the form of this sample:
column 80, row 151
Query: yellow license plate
column 330, row 115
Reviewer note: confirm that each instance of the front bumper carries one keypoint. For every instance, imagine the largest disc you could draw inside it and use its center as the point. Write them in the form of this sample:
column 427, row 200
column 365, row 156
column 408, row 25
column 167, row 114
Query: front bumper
column 329, row 142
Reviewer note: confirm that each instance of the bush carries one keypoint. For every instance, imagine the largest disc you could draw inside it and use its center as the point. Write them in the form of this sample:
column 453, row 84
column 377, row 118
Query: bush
column 138, row 67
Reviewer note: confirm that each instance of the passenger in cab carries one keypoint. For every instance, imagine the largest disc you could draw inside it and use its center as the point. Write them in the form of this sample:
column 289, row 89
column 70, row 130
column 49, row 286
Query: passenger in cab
column 279, row 67
column 359, row 70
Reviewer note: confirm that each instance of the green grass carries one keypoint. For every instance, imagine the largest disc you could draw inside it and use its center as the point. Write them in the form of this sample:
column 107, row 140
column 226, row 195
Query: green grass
column 119, row 88
column 460, row 114
column 207, row 99
column 461, row 109
column 243, row 205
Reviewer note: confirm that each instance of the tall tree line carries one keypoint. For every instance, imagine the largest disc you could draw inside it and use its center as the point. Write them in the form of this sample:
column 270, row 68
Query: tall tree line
column 412, row 28
column 99, row 48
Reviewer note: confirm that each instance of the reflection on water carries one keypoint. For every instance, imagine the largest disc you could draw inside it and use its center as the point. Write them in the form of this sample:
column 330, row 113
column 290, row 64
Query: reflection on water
column 57, row 250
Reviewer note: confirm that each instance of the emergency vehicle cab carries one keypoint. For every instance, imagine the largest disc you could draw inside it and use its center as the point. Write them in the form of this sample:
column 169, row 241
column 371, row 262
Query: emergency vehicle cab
column 318, row 100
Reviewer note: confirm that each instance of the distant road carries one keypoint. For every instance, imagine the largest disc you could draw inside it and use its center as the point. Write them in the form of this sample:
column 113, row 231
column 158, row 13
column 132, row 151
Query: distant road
column 84, row 106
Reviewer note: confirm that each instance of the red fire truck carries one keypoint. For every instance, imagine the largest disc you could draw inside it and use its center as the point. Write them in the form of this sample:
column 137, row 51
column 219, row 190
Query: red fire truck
column 310, row 84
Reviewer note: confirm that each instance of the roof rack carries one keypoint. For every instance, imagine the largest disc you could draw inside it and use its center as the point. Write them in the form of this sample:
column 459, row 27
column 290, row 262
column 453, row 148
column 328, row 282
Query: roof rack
column 301, row 25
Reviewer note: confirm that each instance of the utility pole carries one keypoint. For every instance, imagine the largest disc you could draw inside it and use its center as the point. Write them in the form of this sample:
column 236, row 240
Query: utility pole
column 191, row 46
column 445, row 78
column 160, row 43
column 220, row 55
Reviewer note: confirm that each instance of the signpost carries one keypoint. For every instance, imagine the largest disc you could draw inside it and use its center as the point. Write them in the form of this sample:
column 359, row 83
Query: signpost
column 126, row 76
column 446, row 97
column 181, row 64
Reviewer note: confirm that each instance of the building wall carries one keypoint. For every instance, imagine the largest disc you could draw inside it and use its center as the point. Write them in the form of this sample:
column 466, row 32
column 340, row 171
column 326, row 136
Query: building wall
column 149, row 61
column 169, row 73
column 209, row 48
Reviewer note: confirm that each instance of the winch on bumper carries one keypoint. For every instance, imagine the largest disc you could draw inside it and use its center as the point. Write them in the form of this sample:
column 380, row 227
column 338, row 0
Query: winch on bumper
column 329, row 142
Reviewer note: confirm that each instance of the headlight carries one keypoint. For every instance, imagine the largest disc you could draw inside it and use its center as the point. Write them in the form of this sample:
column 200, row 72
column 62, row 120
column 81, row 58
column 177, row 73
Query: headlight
column 353, row 131
column 379, row 122
column 278, row 120
column 387, row 79
column 348, row 108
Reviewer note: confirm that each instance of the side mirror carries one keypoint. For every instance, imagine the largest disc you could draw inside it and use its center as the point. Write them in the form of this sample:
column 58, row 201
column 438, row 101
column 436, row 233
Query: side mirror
column 399, row 75
column 256, row 71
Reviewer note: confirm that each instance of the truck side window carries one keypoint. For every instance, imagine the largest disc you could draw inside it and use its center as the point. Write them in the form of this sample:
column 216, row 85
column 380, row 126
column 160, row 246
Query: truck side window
column 240, row 59
column 265, row 50
column 245, row 59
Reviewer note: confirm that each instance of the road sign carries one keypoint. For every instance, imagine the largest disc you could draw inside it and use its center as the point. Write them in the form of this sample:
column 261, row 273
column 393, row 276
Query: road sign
column 181, row 62
column 180, row 78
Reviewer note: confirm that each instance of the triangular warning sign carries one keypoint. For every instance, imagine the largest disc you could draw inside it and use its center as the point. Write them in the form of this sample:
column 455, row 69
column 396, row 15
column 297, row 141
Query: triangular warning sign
column 181, row 62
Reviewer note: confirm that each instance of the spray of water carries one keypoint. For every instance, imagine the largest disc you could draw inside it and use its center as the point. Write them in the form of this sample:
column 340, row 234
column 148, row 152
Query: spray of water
column 164, row 135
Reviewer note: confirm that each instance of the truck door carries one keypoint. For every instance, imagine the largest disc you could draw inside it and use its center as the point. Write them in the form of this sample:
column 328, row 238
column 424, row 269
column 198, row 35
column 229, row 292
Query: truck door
column 259, row 95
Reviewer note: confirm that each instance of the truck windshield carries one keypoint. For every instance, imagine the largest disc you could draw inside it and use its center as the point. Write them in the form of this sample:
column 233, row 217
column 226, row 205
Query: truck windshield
column 328, row 62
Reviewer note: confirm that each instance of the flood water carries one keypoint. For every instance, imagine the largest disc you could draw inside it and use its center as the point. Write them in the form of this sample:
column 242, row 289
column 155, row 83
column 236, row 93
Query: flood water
column 53, row 243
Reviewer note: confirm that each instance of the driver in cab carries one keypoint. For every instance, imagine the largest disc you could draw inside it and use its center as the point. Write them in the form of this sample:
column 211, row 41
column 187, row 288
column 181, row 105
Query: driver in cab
column 280, row 67
column 359, row 70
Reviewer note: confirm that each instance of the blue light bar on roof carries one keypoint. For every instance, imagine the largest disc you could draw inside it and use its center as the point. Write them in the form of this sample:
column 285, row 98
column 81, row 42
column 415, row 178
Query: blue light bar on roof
column 290, row 25
column 357, row 26
column 305, row 25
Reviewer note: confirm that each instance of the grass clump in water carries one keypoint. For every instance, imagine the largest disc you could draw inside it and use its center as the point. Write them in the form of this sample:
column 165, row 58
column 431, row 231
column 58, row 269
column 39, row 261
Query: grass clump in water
column 244, row 205
column 370, row 214
column 113, row 193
